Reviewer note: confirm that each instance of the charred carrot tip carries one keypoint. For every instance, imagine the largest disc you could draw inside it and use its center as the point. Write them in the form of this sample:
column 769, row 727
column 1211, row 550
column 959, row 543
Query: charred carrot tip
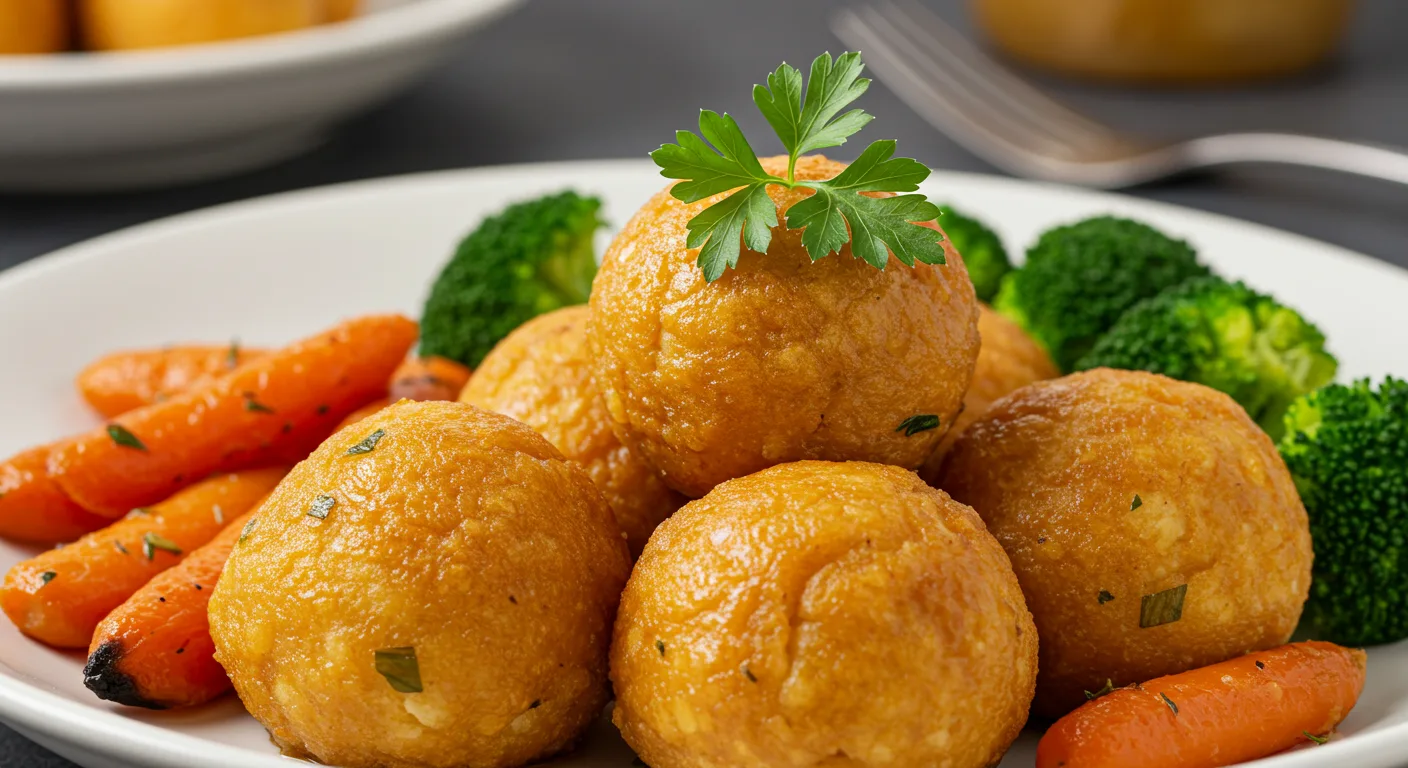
column 102, row 677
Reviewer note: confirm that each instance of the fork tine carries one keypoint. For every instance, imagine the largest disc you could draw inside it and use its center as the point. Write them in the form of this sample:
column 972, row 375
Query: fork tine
column 930, row 90
column 932, row 33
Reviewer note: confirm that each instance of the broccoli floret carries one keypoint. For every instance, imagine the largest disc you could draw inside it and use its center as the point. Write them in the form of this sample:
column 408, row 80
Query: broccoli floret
column 1347, row 447
column 1079, row 279
column 981, row 249
column 531, row 258
column 1226, row 336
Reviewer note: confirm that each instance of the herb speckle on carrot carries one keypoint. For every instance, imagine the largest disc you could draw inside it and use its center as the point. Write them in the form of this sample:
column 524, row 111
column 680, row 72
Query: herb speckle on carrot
column 1170, row 703
column 151, row 542
column 121, row 436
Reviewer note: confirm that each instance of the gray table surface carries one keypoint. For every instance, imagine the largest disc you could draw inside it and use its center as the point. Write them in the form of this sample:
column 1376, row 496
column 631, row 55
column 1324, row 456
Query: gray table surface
column 568, row 79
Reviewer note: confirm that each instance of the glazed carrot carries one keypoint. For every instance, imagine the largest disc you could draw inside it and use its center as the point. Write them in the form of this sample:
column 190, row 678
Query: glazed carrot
column 276, row 408
column 155, row 649
column 1242, row 709
column 364, row 412
column 428, row 378
column 125, row 381
column 33, row 509
column 61, row 595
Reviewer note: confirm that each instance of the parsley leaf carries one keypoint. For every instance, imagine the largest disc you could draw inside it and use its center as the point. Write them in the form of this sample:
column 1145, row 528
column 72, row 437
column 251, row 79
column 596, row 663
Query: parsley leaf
column 838, row 213
column 806, row 126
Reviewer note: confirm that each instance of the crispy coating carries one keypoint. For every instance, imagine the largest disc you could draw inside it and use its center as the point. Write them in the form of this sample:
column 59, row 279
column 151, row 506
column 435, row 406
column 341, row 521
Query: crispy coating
column 1055, row 469
column 823, row 614
column 1007, row 361
column 780, row 359
column 541, row 375
column 462, row 534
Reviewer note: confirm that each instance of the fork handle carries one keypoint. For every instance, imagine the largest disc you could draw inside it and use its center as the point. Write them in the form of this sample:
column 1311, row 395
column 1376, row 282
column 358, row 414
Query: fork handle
column 1292, row 149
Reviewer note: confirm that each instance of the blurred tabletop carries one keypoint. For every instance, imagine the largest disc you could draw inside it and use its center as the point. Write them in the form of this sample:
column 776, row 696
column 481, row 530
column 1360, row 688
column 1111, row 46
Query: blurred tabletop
column 567, row 79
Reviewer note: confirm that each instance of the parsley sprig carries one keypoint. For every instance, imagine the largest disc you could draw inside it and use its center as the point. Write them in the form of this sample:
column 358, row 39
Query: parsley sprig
column 722, row 160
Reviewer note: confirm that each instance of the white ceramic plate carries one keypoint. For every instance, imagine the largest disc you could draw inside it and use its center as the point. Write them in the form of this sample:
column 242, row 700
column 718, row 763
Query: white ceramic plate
column 271, row 270
column 142, row 118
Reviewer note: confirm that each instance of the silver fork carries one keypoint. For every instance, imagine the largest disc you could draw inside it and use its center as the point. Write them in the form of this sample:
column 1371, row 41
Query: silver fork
column 1003, row 119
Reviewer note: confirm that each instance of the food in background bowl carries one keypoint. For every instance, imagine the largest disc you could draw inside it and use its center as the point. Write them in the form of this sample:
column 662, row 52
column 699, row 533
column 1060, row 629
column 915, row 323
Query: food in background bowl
column 123, row 24
column 1153, row 526
column 33, row 26
column 1167, row 41
column 342, row 10
column 819, row 609
column 782, row 358
column 434, row 586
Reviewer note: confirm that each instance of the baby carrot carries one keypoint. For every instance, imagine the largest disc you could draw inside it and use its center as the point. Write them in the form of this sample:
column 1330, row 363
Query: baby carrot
column 1238, row 710
column 61, row 595
column 155, row 649
column 33, row 509
column 428, row 378
column 125, row 381
column 273, row 408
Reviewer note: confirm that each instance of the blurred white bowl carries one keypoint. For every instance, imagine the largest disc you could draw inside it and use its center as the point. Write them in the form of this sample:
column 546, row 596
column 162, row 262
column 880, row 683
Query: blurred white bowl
column 71, row 122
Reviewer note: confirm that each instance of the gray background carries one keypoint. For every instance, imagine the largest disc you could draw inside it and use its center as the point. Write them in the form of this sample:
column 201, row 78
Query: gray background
column 563, row 79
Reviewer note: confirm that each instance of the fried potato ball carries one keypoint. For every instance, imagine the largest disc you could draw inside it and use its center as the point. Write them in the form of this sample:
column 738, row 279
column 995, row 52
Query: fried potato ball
column 1007, row 361
column 541, row 375
column 1153, row 526
column 780, row 359
column 434, row 586
column 33, row 26
column 823, row 614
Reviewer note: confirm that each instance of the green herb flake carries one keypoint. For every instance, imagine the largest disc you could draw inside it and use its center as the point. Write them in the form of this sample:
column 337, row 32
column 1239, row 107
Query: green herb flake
column 151, row 542
column 1314, row 738
column 536, row 703
column 1163, row 607
column 122, row 437
column 368, row 443
column 1104, row 597
column 1173, row 707
column 1136, row 504
column 119, row 547
column 837, row 213
column 660, row 646
column 748, row 673
column 254, row 406
column 321, row 506
column 47, row 576
column 400, row 668
column 232, row 357
column 920, row 423
column 248, row 529
column 1109, row 688
column 1260, row 665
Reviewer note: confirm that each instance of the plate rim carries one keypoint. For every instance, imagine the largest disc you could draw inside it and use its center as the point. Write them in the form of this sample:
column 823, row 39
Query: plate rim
column 107, row 733
column 193, row 64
